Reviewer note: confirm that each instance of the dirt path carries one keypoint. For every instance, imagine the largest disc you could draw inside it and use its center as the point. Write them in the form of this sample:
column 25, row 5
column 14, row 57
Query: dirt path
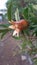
column 9, row 52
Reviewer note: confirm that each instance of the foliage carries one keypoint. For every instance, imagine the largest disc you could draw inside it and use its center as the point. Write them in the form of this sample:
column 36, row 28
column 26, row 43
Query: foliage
column 9, row 10
column 20, row 4
column 17, row 17
column 11, row 7
column 30, row 14
column 4, row 29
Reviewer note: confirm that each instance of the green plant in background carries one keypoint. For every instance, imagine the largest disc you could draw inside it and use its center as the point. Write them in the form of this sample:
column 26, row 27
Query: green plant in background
column 9, row 10
column 29, row 14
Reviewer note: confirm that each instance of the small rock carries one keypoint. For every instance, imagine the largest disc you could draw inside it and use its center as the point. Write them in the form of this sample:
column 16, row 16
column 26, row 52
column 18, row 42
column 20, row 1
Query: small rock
column 23, row 57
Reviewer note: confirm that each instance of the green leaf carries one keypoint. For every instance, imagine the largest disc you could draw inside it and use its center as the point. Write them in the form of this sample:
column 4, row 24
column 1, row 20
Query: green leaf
column 3, row 34
column 25, row 13
column 26, row 31
column 23, row 45
column 3, row 30
column 9, row 11
column 34, row 31
column 4, row 25
column 17, row 15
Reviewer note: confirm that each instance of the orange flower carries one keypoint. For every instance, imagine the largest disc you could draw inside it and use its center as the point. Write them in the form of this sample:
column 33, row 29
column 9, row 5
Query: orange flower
column 18, row 26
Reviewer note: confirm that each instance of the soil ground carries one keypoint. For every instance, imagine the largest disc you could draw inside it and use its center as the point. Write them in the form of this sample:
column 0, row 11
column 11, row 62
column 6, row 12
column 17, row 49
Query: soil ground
column 9, row 52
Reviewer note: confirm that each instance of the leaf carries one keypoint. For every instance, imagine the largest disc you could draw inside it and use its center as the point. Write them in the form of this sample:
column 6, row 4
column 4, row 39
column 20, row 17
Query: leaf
column 23, row 45
column 34, row 31
column 25, row 13
column 35, row 7
column 4, row 25
column 4, row 33
column 26, row 31
column 4, row 30
column 9, row 11
column 17, row 17
column 31, row 9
